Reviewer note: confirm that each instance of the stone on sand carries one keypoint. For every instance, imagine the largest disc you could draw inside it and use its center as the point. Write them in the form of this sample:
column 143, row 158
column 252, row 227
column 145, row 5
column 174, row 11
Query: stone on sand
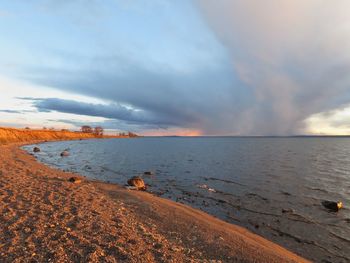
column 137, row 182
column 74, row 180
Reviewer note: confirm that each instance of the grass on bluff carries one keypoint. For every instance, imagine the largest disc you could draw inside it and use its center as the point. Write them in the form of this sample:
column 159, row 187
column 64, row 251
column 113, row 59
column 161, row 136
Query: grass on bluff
column 10, row 135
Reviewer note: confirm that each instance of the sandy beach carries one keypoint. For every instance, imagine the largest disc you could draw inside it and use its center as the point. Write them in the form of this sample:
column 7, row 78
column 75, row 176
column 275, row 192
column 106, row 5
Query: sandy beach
column 46, row 218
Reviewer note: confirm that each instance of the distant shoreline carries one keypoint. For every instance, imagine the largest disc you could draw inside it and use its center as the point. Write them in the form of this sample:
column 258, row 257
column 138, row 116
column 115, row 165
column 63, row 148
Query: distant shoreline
column 252, row 136
column 13, row 135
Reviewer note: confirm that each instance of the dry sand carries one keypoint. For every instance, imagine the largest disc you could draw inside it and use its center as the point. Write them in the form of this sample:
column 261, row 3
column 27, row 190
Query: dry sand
column 45, row 218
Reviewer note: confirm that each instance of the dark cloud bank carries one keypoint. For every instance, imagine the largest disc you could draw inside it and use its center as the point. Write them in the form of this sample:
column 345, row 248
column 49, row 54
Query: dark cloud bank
column 109, row 111
column 153, row 98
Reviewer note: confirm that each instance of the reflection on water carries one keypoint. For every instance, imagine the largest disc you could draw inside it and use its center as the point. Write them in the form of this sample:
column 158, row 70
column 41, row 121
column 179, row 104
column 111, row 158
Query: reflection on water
column 273, row 186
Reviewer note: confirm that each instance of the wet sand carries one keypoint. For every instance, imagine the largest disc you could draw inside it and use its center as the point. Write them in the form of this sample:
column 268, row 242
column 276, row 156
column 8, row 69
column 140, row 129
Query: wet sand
column 46, row 218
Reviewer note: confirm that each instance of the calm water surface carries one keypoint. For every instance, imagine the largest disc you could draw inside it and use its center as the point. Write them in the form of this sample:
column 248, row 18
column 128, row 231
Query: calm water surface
column 246, row 181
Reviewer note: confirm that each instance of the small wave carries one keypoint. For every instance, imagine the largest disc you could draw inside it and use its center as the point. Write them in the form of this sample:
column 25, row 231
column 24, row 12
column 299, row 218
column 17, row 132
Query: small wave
column 111, row 170
column 204, row 186
column 340, row 237
column 256, row 195
column 317, row 189
column 222, row 180
column 300, row 218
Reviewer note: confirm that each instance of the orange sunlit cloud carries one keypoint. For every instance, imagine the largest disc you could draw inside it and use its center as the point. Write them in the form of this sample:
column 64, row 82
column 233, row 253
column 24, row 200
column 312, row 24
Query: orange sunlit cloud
column 173, row 132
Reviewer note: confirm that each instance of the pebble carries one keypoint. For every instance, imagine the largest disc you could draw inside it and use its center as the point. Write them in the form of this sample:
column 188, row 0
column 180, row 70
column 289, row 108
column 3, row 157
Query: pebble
column 157, row 245
column 142, row 228
column 74, row 180
column 175, row 249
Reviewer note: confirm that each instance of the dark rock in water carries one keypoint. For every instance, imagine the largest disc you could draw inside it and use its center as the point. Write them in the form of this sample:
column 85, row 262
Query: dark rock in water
column 64, row 153
column 36, row 149
column 137, row 182
column 333, row 206
column 285, row 193
column 87, row 167
column 148, row 173
column 291, row 211
column 74, row 180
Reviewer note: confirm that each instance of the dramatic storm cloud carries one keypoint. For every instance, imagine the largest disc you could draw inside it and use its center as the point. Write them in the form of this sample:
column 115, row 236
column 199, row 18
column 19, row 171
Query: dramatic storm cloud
column 292, row 55
column 223, row 67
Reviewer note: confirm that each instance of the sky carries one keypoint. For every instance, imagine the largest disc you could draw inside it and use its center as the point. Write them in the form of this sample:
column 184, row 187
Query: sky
column 185, row 67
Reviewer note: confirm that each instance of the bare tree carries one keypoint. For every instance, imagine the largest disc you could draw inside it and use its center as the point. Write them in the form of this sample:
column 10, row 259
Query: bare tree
column 98, row 131
column 131, row 134
column 86, row 129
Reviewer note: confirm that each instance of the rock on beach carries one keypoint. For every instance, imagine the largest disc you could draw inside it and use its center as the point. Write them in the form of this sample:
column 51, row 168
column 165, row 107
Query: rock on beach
column 137, row 182
column 74, row 180
column 36, row 149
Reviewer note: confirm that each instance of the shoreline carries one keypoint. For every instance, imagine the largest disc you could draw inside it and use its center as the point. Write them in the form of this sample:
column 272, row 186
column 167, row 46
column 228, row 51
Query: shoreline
column 45, row 216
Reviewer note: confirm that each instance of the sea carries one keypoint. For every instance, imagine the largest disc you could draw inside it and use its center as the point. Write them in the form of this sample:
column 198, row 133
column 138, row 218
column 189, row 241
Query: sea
column 273, row 186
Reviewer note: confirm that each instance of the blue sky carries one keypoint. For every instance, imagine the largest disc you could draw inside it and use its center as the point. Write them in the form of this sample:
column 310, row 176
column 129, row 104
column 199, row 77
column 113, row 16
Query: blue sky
column 176, row 67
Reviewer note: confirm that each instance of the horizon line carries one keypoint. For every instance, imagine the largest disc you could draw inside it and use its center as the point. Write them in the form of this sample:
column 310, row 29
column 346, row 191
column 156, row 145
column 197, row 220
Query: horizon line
column 201, row 136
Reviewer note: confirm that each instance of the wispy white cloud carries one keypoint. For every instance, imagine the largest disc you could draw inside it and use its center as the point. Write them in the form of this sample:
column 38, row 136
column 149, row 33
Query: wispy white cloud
column 333, row 122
